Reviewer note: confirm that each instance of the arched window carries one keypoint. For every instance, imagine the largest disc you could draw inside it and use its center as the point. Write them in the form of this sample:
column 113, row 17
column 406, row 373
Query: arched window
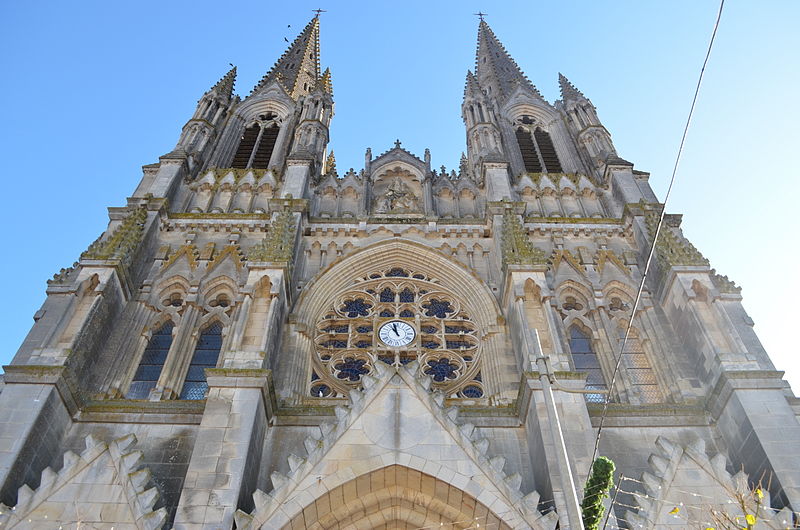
column 585, row 360
column 528, row 151
column 257, row 143
column 445, row 340
column 152, row 362
column 547, row 150
column 640, row 373
column 206, row 354
column 537, row 151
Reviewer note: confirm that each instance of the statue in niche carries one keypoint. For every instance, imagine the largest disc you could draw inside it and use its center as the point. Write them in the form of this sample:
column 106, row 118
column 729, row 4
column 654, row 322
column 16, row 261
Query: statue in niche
column 398, row 199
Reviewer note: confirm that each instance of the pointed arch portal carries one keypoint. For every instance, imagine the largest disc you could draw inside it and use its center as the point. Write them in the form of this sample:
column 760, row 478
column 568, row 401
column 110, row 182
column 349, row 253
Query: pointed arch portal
column 396, row 497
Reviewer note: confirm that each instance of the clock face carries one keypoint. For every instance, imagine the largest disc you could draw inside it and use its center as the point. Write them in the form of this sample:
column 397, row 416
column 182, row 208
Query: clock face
column 397, row 333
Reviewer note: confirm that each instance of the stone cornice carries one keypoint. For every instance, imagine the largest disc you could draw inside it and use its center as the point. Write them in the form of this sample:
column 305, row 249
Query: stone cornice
column 729, row 382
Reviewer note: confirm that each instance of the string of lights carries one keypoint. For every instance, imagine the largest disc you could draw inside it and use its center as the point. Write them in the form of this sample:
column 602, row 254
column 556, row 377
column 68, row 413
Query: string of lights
column 707, row 514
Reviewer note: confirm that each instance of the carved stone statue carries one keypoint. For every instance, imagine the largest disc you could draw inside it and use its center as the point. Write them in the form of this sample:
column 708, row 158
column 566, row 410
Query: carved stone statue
column 398, row 199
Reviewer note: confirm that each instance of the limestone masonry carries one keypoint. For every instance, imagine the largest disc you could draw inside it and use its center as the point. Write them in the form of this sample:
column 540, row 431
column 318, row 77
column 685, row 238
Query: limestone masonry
column 260, row 340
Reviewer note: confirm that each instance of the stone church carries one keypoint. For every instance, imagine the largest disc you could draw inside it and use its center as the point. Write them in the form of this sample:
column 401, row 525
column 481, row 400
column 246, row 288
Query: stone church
column 262, row 340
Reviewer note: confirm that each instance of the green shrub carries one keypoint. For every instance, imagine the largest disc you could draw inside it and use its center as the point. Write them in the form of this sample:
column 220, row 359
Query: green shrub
column 597, row 486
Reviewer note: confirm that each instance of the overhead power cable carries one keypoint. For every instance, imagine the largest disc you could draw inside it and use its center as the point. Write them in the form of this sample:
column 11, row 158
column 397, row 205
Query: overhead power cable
column 656, row 233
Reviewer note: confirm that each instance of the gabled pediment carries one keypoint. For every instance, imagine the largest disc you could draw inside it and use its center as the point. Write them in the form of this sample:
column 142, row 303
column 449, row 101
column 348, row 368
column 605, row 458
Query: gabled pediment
column 398, row 156
column 107, row 476
column 396, row 424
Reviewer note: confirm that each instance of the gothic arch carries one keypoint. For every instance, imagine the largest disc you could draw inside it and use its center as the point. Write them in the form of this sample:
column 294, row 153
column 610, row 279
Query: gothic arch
column 478, row 358
column 343, row 272
column 381, row 170
column 395, row 495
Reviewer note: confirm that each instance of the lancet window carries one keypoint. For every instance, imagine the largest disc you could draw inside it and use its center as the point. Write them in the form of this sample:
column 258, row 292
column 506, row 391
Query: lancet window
column 443, row 337
column 257, row 143
column 640, row 373
column 537, row 150
column 153, row 359
column 206, row 354
column 585, row 360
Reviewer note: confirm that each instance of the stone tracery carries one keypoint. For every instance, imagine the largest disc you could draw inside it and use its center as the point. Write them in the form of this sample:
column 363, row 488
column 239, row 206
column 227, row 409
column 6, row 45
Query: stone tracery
column 347, row 344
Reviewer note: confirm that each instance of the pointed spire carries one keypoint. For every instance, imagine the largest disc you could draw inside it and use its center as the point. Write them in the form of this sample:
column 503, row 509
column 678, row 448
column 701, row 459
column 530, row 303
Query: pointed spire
column 568, row 90
column 494, row 63
column 325, row 82
column 224, row 86
column 330, row 165
column 471, row 87
column 298, row 68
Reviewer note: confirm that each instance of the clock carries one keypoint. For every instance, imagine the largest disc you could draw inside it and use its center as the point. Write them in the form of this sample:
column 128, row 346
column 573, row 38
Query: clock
column 397, row 333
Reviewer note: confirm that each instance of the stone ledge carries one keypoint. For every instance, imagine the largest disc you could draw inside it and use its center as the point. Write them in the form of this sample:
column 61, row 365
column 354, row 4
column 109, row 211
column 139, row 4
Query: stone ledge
column 142, row 406
column 574, row 220
column 33, row 374
column 660, row 415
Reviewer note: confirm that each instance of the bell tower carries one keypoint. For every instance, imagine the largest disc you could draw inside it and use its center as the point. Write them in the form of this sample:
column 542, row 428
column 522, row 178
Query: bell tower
column 260, row 340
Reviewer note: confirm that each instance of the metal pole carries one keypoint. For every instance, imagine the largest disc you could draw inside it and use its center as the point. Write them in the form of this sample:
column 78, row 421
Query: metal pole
column 574, row 514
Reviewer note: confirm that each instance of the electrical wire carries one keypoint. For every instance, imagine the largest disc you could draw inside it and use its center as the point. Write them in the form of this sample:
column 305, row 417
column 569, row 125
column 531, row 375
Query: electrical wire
column 656, row 233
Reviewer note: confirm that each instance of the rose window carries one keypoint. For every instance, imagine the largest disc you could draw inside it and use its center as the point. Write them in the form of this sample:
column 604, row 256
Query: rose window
column 442, row 336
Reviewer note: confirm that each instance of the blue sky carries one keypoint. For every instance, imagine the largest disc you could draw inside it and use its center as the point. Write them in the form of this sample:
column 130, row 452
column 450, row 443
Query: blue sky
column 94, row 90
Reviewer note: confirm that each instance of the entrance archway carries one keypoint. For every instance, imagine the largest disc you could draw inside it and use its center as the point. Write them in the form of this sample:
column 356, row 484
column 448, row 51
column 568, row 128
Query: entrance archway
column 396, row 497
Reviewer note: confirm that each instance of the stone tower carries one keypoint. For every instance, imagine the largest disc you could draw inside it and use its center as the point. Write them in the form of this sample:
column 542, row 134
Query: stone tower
column 262, row 341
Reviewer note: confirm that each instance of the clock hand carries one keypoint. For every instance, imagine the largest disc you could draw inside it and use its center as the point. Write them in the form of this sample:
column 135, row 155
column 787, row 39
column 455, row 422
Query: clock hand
column 394, row 327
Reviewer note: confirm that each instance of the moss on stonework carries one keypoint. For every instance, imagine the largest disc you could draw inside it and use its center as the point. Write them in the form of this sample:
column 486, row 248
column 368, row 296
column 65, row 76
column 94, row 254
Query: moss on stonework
column 306, row 410
column 204, row 215
column 574, row 220
column 145, row 406
column 238, row 372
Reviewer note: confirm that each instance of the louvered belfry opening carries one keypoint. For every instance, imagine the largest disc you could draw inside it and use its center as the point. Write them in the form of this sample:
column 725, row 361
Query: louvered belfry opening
column 528, row 151
column 246, row 145
column 265, row 147
column 548, row 151
column 258, row 144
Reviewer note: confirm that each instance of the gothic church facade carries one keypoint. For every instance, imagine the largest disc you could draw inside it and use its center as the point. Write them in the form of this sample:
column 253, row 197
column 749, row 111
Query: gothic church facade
column 259, row 340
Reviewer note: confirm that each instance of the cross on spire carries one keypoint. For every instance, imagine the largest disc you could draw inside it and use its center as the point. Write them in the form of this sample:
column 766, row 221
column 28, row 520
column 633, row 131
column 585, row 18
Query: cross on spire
column 318, row 11
column 480, row 15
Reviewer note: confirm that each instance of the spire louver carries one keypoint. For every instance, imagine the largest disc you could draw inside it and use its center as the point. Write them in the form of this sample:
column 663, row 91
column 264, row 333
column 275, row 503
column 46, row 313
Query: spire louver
column 298, row 68
column 495, row 66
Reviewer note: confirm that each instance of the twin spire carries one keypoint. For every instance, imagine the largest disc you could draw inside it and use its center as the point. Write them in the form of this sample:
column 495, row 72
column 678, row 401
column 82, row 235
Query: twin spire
column 568, row 90
column 495, row 68
column 224, row 86
column 298, row 69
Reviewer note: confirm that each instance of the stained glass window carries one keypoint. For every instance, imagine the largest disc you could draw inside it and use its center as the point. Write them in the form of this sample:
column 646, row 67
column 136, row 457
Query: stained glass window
column 438, row 308
column 347, row 344
column 441, row 369
column 206, row 354
column 387, row 295
column 640, row 373
column 356, row 308
column 406, row 296
column 472, row 391
column 585, row 360
column 153, row 359
column 351, row 369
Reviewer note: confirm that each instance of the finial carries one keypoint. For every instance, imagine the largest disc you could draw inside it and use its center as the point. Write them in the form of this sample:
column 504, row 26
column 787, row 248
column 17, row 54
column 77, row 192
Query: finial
column 480, row 15
column 318, row 11
column 397, row 144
